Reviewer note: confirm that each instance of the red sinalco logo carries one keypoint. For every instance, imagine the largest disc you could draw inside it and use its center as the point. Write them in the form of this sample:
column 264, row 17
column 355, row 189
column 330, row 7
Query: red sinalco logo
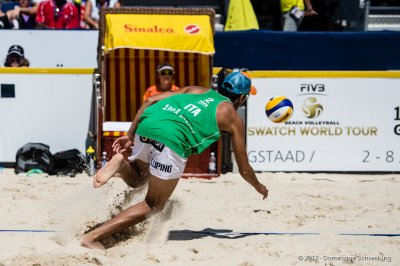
column 192, row 29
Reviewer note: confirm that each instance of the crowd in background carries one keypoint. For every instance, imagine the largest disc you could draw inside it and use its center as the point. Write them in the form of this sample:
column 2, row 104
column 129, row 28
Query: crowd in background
column 85, row 14
column 286, row 15
column 53, row 14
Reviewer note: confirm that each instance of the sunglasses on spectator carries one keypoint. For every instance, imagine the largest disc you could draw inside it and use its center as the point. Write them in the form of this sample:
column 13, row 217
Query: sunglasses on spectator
column 14, row 57
column 167, row 73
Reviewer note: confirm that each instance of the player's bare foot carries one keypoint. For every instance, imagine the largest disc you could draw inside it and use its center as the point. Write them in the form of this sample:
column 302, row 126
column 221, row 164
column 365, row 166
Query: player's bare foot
column 108, row 171
column 100, row 180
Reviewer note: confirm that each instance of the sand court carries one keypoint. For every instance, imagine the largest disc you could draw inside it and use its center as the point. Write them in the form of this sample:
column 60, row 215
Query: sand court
column 322, row 219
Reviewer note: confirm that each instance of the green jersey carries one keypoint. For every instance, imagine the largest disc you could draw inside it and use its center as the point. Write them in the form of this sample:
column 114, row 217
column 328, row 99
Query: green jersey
column 186, row 123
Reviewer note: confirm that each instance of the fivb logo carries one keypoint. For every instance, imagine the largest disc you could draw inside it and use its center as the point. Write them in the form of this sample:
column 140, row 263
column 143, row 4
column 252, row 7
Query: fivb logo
column 306, row 87
column 311, row 108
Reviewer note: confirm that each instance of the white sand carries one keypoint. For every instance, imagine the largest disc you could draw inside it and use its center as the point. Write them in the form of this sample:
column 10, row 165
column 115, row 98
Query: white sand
column 326, row 204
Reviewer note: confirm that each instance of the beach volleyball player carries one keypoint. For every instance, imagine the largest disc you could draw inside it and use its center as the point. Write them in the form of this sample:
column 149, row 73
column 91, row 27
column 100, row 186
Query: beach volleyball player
column 167, row 129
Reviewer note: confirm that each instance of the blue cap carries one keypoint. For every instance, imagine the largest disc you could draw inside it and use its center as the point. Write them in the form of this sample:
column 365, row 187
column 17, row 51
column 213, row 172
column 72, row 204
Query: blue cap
column 237, row 83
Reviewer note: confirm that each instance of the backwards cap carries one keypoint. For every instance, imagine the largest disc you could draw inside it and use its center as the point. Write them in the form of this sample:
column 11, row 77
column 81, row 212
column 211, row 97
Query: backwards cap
column 239, row 83
column 253, row 90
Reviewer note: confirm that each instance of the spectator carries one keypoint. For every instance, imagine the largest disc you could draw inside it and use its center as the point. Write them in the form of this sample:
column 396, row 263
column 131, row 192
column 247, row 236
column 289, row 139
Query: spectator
column 241, row 16
column 57, row 14
column 293, row 13
column 165, row 76
column 92, row 11
column 16, row 57
column 4, row 22
column 23, row 16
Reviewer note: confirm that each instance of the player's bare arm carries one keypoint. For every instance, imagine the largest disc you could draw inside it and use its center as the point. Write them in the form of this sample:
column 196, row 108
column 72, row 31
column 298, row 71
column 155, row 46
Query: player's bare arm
column 230, row 121
column 123, row 143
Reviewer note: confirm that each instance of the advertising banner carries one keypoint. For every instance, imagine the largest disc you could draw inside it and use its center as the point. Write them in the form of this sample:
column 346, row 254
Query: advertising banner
column 52, row 108
column 338, row 124
column 184, row 33
column 53, row 48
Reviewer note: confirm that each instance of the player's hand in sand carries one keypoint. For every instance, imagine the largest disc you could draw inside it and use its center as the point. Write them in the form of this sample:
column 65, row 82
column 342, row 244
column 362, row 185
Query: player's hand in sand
column 262, row 190
column 122, row 144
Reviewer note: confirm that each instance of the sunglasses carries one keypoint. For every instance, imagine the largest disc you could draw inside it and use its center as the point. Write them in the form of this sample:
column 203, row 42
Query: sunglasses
column 167, row 73
column 14, row 57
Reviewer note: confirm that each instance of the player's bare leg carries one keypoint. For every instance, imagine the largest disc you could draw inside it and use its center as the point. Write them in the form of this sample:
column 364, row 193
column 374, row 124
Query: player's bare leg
column 137, row 174
column 158, row 193
column 134, row 174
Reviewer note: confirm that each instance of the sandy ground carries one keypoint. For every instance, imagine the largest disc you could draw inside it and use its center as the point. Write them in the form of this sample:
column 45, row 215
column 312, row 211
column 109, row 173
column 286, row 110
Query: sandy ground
column 222, row 221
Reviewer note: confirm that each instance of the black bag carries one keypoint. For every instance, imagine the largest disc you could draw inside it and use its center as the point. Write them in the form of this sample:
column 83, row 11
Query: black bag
column 34, row 156
column 69, row 162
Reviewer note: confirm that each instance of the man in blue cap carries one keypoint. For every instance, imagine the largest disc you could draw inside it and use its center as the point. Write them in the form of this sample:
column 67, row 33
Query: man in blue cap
column 167, row 129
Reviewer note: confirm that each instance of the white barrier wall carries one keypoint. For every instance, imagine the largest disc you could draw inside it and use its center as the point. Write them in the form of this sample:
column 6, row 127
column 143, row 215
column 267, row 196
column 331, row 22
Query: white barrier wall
column 52, row 108
column 338, row 124
column 53, row 48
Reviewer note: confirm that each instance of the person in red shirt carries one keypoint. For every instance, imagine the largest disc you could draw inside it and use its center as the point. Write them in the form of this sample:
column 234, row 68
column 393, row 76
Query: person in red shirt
column 57, row 14
column 165, row 76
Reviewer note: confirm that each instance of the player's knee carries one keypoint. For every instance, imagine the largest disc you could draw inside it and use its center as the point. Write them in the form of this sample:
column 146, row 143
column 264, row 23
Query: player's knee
column 154, row 204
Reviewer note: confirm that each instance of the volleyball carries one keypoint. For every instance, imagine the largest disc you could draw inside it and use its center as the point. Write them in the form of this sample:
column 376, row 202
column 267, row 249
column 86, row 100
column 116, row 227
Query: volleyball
column 279, row 109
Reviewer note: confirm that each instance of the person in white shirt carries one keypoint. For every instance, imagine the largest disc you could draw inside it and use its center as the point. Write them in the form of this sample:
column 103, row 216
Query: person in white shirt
column 92, row 11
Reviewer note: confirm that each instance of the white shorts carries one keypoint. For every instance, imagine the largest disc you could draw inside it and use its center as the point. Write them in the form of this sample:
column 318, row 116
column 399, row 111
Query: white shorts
column 164, row 162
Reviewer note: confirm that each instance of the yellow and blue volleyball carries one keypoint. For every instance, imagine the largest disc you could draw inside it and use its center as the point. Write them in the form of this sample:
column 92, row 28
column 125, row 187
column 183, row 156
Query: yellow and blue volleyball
column 279, row 109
